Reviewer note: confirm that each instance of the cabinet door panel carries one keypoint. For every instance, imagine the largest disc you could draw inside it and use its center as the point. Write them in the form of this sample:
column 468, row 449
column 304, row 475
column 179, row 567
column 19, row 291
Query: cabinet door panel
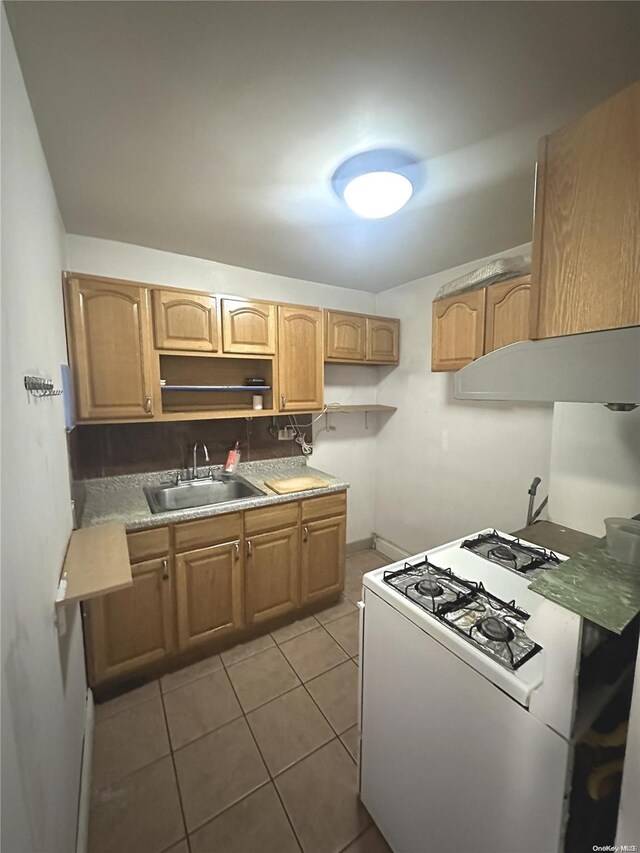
column 300, row 359
column 185, row 321
column 323, row 555
column 272, row 574
column 458, row 330
column 507, row 313
column 345, row 336
column 131, row 628
column 208, row 593
column 110, row 346
column 248, row 327
column 383, row 339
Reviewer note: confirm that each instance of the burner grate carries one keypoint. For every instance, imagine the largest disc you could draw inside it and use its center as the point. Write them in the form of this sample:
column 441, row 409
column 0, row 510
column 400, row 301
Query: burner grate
column 511, row 554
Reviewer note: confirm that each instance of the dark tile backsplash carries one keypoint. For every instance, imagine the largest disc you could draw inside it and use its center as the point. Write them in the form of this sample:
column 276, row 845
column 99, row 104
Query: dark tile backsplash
column 106, row 450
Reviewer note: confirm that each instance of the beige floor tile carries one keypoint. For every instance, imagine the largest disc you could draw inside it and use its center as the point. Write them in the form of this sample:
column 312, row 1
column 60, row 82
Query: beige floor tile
column 261, row 678
column 128, row 700
column 343, row 607
column 246, row 650
column 217, row 770
column 320, row 795
column 336, row 694
column 351, row 739
column 353, row 589
column 370, row 841
column 257, row 824
column 366, row 561
column 313, row 653
column 288, row 632
column 139, row 814
column 200, row 707
column 346, row 632
column 189, row 673
column 128, row 741
column 180, row 847
column 288, row 729
column 356, row 660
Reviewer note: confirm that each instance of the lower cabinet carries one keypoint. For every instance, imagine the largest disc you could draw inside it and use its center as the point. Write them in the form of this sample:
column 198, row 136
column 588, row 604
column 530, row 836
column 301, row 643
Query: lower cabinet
column 272, row 574
column 132, row 628
column 208, row 593
column 323, row 555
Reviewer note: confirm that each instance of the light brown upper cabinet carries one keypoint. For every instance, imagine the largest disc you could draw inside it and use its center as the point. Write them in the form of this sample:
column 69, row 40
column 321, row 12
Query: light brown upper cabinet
column 507, row 313
column 110, row 348
column 300, row 361
column 345, row 336
column 586, row 239
column 458, row 330
column 248, row 327
column 185, row 321
column 383, row 339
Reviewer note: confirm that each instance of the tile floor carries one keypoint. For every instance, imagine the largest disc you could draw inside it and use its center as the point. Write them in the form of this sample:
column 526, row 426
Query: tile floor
column 249, row 751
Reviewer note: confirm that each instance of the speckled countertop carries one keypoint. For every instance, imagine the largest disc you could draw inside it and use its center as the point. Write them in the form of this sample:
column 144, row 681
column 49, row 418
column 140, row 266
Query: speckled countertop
column 122, row 498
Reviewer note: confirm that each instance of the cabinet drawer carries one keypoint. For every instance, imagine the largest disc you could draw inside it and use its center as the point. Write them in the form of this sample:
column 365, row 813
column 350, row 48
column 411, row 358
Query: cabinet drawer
column 145, row 544
column 335, row 504
column 271, row 517
column 208, row 531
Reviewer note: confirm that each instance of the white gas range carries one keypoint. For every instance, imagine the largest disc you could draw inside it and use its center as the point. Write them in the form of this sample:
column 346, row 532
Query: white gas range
column 468, row 695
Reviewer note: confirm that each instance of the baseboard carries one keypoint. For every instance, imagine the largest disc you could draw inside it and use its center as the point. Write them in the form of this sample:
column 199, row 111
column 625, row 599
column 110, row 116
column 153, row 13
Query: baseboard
column 360, row 545
column 82, row 836
column 389, row 549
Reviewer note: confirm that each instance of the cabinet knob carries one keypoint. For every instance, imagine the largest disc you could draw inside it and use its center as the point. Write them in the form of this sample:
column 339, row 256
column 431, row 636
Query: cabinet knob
column 249, row 548
column 147, row 405
column 305, row 533
column 165, row 569
column 283, row 401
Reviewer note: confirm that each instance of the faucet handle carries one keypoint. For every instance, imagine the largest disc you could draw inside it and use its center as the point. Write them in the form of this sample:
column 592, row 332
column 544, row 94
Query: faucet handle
column 178, row 477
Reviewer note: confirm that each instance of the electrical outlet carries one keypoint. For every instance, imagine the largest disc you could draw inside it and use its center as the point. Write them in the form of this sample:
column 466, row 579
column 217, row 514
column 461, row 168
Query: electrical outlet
column 286, row 434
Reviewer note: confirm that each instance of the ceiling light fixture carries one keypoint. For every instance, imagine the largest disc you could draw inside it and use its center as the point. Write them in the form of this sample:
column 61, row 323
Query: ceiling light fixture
column 376, row 184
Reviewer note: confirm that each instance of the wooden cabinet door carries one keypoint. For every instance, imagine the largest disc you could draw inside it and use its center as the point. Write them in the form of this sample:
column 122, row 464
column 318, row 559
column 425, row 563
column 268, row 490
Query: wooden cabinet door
column 458, row 330
column 323, row 554
column 300, row 359
column 185, row 321
column 272, row 574
column 248, row 327
column 507, row 317
column 345, row 336
column 585, row 271
column 208, row 593
column 131, row 628
column 383, row 340
column 110, row 347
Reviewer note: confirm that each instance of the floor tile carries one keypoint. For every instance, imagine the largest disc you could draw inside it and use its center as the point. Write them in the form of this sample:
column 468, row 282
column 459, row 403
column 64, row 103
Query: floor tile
column 346, row 632
column 200, row 707
column 366, row 561
column 351, row 739
column 246, row 650
column 336, row 694
column 128, row 741
column 288, row 632
column 370, row 841
column 353, row 589
column 217, row 770
column 343, row 607
column 356, row 660
column 189, row 673
column 313, row 653
column 139, row 813
column 257, row 823
column 180, row 847
column 261, row 678
column 320, row 795
column 128, row 700
column 288, row 729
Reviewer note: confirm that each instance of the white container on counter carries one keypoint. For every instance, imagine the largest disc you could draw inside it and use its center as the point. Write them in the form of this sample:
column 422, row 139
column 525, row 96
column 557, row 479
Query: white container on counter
column 623, row 539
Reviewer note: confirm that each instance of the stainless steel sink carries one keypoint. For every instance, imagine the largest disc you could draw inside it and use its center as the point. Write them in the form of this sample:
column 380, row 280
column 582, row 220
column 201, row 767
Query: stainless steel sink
column 194, row 493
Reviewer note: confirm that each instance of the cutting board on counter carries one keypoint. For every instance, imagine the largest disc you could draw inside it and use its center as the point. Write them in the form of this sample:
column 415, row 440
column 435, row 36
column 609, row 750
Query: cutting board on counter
column 295, row 484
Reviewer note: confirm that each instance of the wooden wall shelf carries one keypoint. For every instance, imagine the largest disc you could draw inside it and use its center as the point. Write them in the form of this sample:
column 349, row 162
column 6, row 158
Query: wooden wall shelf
column 96, row 562
column 368, row 407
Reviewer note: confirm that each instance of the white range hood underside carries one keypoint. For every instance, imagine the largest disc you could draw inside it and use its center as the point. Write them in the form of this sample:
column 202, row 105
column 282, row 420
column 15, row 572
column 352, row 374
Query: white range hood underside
column 596, row 367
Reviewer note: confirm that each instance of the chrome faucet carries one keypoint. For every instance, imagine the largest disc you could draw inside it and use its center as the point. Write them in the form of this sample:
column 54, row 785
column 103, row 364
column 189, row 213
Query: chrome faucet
column 194, row 470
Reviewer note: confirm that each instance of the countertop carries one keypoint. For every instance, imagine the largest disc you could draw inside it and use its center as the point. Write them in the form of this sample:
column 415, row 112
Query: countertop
column 556, row 537
column 122, row 499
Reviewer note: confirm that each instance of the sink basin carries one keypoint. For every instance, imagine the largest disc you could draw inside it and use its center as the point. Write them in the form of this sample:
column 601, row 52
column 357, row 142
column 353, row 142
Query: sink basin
column 198, row 493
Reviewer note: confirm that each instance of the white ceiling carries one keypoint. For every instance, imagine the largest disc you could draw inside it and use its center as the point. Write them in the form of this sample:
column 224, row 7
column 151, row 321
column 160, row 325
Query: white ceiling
column 212, row 128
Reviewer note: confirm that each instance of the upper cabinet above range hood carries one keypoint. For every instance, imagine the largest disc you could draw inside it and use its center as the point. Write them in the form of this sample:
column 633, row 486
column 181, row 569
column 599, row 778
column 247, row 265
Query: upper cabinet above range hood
column 596, row 367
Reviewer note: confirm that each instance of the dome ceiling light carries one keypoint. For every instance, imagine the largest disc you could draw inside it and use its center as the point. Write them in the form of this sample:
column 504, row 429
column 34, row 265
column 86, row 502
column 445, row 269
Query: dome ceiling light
column 376, row 184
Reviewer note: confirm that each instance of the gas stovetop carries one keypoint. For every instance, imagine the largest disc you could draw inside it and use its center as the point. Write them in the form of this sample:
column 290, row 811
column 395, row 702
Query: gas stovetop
column 519, row 557
column 493, row 626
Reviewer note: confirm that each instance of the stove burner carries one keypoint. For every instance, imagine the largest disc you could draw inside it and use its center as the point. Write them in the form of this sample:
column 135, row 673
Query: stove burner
column 511, row 554
column 495, row 629
column 429, row 586
column 502, row 552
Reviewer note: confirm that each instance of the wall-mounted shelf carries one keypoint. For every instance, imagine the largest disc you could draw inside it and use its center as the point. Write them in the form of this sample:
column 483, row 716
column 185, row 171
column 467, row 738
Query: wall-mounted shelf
column 215, row 387
column 367, row 408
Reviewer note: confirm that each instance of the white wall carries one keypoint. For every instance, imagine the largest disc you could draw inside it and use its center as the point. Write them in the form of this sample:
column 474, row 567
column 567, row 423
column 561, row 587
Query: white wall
column 43, row 682
column 348, row 451
column 447, row 467
column 595, row 465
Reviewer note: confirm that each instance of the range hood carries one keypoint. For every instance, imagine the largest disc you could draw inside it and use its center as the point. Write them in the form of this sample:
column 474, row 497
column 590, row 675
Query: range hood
column 595, row 367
